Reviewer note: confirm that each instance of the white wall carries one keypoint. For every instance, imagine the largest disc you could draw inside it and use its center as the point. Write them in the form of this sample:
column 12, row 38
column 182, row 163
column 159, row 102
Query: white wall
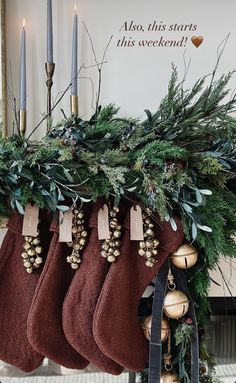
column 134, row 78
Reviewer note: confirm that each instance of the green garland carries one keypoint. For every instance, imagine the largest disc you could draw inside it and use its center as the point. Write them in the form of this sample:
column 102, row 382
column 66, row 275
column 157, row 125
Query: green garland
column 179, row 158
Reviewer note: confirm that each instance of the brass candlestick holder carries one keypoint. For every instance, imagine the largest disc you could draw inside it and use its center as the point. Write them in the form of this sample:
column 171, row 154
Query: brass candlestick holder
column 22, row 121
column 74, row 107
column 50, row 68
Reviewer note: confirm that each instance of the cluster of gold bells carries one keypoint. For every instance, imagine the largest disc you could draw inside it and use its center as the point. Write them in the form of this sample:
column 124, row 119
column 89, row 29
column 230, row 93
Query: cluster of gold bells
column 176, row 305
column 79, row 239
column 148, row 247
column 110, row 248
column 32, row 250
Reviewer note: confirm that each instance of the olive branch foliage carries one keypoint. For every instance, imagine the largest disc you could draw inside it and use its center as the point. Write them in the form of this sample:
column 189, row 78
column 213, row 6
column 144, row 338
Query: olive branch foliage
column 179, row 158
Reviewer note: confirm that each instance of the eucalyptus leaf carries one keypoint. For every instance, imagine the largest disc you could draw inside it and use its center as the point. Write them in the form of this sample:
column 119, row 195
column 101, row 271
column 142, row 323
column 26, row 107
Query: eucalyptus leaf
column 132, row 189
column 205, row 191
column 173, row 224
column 187, row 208
column 63, row 208
column 167, row 217
column 19, row 207
column 194, row 231
column 83, row 199
column 204, row 228
column 68, row 176
column 12, row 178
column 225, row 164
column 52, row 186
column 69, row 194
column 198, row 196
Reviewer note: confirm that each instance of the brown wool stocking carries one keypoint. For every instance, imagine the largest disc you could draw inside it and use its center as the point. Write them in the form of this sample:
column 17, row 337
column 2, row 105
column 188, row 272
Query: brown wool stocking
column 115, row 326
column 44, row 324
column 81, row 299
column 16, row 293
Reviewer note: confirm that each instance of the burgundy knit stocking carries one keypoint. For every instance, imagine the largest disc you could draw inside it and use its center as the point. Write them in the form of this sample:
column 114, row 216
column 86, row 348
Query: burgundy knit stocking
column 81, row 299
column 44, row 324
column 115, row 326
column 16, row 293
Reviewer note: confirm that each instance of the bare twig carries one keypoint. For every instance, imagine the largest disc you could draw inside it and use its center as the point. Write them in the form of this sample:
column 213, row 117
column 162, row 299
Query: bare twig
column 63, row 113
column 100, row 74
column 99, row 65
column 220, row 50
column 54, row 106
column 186, row 67
column 92, row 84
column 83, row 66
column 48, row 115
column 91, row 43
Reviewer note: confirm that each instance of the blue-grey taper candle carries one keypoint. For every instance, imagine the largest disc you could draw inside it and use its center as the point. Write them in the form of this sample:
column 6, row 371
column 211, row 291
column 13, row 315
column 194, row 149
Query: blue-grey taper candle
column 49, row 33
column 23, row 70
column 74, row 65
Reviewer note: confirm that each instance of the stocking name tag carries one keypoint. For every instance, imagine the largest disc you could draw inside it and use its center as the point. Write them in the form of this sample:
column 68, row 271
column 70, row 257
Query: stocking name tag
column 65, row 227
column 103, row 223
column 31, row 220
column 136, row 224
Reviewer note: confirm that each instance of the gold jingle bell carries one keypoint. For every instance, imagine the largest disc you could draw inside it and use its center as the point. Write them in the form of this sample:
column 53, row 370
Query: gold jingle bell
column 147, row 326
column 185, row 256
column 169, row 377
column 176, row 304
column 165, row 329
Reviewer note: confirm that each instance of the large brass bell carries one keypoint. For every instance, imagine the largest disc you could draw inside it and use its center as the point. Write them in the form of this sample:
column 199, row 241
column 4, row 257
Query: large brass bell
column 185, row 256
column 147, row 325
column 176, row 304
column 169, row 377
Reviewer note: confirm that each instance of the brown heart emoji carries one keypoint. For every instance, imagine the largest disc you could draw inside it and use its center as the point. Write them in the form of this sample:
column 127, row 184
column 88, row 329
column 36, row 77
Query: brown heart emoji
column 197, row 40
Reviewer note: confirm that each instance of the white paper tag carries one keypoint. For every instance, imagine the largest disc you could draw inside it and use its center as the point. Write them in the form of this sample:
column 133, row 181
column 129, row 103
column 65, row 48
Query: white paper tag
column 65, row 226
column 31, row 220
column 103, row 223
column 136, row 224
